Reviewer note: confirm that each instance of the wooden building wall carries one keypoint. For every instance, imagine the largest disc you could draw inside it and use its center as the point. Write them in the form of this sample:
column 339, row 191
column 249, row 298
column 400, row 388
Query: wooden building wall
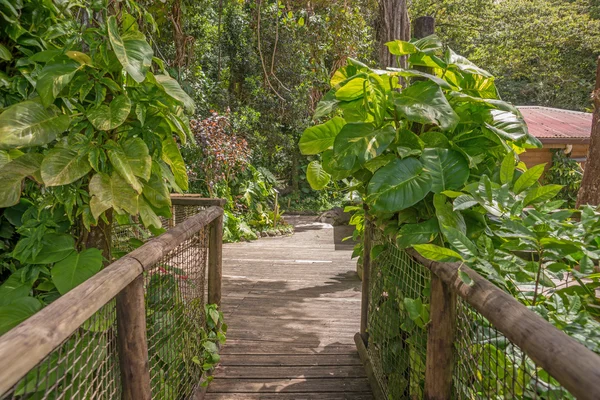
column 539, row 156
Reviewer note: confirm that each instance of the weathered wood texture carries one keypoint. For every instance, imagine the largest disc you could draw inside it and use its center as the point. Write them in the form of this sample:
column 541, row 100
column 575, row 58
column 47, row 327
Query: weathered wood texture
column 292, row 305
column 133, row 345
column 30, row 342
column 589, row 193
column 196, row 200
column 568, row 361
column 366, row 277
column 215, row 264
column 440, row 341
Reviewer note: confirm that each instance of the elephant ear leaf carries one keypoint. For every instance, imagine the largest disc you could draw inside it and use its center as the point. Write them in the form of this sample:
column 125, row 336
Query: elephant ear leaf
column 319, row 138
column 398, row 185
column 316, row 175
column 425, row 103
column 12, row 175
column 449, row 170
column 76, row 269
column 132, row 50
column 29, row 124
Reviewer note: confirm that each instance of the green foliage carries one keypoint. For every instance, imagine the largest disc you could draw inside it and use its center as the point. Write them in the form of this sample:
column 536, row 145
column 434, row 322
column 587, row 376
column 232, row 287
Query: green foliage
column 543, row 52
column 87, row 133
column 449, row 183
column 566, row 172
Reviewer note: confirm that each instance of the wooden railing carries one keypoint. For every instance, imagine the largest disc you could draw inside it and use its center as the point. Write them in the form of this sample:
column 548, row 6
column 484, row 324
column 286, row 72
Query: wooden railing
column 467, row 323
column 72, row 347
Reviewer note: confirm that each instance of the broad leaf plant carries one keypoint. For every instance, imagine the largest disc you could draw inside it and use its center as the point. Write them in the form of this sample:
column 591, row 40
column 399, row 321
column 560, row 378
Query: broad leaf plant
column 433, row 152
column 90, row 127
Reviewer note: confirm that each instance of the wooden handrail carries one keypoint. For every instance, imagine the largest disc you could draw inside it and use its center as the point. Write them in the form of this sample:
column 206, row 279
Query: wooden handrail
column 196, row 200
column 569, row 362
column 24, row 346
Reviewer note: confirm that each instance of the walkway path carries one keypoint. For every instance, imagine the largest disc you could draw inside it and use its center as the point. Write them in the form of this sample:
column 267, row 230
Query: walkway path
column 292, row 305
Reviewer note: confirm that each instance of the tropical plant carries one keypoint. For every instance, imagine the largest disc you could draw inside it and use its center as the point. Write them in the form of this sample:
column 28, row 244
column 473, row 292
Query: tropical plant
column 434, row 155
column 89, row 134
column 566, row 172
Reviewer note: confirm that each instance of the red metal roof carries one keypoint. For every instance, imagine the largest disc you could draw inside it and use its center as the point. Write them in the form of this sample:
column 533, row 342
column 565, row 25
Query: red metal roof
column 553, row 125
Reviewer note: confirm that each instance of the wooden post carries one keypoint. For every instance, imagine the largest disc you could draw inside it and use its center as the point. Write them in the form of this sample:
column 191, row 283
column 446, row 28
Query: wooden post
column 440, row 339
column 366, row 275
column 133, row 347
column 215, row 262
column 423, row 27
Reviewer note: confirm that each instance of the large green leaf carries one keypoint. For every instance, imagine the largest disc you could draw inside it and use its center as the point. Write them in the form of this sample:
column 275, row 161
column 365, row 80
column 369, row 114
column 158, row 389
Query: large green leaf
column 361, row 142
column 437, row 253
column 147, row 214
column 120, row 163
column 507, row 125
column 76, row 269
column 12, row 175
column 14, row 288
column 54, row 77
column 62, row 166
column 107, row 117
column 173, row 89
column 17, row 312
column 507, row 168
column 541, row 194
column 460, row 242
column 352, row 90
column 156, row 192
column 29, row 124
column 112, row 192
column 528, row 178
column 54, row 247
column 132, row 50
column 447, row 216
column 401, row 48
column 316, row 175
column 411, row 234
column 448, row 169
column 398, row 185
column 319, row 138
column 172, row 156
column 424, row 102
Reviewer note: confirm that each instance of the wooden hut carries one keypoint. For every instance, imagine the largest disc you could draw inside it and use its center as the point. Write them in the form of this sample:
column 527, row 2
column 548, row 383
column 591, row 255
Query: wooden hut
column 557, row 129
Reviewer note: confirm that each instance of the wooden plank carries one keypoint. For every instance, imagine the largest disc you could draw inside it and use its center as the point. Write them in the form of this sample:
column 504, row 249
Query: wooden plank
column 288, row 372
column 284, row 396
column 196, row 200
column 292, row 359
column 246, row 347
column 318, row 385
column 366, row 275
column 569, row 362
column 133, row 347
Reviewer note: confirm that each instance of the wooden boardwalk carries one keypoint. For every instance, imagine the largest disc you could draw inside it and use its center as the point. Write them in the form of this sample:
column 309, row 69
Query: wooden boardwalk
column 292, row 305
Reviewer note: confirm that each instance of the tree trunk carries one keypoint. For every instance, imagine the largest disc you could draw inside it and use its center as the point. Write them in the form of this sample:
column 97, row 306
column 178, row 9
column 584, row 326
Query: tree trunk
column 589, row 193
column 392, row 24
column 100, row 237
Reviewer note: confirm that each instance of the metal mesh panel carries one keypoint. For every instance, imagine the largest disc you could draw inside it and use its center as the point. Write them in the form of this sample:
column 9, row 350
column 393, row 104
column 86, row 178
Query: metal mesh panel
column 176, row 295
column 487, row 365
column 397, row 344
column 85, row 366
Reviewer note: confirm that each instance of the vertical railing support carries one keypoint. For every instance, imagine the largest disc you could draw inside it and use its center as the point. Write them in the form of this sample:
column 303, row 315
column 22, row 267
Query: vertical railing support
column 133, row 345
column 366, row 275
column 439, row 364
column 215, row 261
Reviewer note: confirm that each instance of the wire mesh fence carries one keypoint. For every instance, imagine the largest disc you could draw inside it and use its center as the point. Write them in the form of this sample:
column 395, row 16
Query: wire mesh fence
column 86, row 364
column 486, row 364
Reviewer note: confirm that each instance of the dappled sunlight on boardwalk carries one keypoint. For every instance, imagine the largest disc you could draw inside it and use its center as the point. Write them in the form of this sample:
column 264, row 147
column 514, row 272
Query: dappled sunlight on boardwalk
column 293, row 306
